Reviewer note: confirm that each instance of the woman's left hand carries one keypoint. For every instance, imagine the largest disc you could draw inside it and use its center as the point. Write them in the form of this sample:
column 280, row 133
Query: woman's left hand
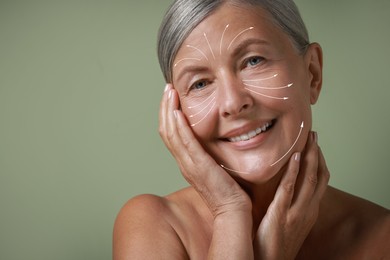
column 295, row 207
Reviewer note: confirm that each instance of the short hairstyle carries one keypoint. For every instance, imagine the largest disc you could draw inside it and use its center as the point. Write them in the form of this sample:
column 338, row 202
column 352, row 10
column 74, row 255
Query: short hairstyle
column 184, row 15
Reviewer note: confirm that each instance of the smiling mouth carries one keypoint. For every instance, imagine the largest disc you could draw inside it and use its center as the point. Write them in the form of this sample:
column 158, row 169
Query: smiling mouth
column 247, row 136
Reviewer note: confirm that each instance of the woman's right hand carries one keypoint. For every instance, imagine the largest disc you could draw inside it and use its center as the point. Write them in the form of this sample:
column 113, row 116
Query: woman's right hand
column 219, row 190
column 229, row 204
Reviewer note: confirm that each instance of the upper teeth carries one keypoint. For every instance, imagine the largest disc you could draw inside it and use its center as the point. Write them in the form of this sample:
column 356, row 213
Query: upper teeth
column 251, row 134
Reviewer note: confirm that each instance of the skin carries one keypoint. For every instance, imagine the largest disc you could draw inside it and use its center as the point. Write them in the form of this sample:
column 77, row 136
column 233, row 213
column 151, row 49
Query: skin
column 237, row 110
column 257, row 211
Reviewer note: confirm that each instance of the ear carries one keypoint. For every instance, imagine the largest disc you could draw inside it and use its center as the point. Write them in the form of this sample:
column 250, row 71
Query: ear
column 313, row 59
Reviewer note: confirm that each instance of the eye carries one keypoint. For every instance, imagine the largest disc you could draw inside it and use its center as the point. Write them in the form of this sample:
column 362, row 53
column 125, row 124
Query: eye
column 199, row 85
column 253, row 61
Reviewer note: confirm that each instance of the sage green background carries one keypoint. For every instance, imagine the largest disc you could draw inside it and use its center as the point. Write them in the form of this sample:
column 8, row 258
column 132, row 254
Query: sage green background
column 80, row 89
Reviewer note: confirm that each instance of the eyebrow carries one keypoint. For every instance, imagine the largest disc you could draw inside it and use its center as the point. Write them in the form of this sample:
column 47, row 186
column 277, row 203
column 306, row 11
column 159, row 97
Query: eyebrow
column 194, row 69
column 242, row 45
column 236, row 50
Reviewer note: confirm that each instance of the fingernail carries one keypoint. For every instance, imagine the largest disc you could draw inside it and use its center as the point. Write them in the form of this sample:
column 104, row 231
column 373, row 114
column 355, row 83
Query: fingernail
column 166, row 87
column 297, row 157
column 170, row 94
column 315, row 137
column 175, row 113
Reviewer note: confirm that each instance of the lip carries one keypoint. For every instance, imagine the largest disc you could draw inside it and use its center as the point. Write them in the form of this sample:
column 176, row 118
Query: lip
column 253, row 142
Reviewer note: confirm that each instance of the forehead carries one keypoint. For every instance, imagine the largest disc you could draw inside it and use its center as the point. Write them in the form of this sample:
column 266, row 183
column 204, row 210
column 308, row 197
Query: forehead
column 237, row 18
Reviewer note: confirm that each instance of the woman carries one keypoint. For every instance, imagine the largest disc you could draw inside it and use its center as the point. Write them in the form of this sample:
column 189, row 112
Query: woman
column 236, row 116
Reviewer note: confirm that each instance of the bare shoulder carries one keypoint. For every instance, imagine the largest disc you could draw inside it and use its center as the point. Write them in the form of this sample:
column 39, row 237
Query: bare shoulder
column 143, row 230
column 377, row 234
column 363, row 226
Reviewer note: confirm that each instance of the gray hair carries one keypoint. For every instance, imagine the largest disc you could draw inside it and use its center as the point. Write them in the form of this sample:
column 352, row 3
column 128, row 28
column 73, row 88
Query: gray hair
column 184, row 15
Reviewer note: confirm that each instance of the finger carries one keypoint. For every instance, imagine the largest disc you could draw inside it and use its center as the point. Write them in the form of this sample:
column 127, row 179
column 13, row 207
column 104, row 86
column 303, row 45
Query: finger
column 171, row 137
column 285, row 192
column 209, row 176
column 190, row 143
column 171, row 122
column 323, row 176
column 163, row 112
column 163, row 103
column 188, row 151
column 217, row 188
column 170, row 134
column 308, row 177
column 184, row 137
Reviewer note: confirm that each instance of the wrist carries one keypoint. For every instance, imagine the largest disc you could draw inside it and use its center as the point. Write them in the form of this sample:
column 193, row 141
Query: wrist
column 232, row 236
column 233, row 221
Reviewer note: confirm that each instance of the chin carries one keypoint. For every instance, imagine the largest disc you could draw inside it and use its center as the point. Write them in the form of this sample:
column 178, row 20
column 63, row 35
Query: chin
column 256, row 170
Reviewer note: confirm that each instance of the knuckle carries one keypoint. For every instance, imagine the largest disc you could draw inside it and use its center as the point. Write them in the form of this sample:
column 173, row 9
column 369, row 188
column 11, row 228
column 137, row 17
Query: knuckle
column 295, row 219
column 161, row 131
column 308, row 218
column 327, row 175
column 312, row 179
column 289, row 188
column 187, row 143
column 169, row 136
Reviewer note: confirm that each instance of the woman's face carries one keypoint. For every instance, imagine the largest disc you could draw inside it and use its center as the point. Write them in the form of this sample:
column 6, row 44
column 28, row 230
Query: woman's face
column 246, row 91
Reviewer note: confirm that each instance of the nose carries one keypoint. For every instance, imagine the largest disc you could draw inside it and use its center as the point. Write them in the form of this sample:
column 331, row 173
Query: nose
column 234, row 100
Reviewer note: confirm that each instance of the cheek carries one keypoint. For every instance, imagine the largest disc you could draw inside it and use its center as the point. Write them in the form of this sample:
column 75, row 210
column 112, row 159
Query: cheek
column 269, row 87
column 297, row 110
column 301, row 101
column 202, row 115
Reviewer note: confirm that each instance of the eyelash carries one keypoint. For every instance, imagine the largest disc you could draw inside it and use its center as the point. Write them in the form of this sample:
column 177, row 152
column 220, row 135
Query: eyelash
column 248, row 60
column 245, row 65
column 195, row 87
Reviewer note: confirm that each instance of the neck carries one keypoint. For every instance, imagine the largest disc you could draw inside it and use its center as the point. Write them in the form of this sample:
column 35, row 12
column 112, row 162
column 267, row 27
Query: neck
column 262, row 196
